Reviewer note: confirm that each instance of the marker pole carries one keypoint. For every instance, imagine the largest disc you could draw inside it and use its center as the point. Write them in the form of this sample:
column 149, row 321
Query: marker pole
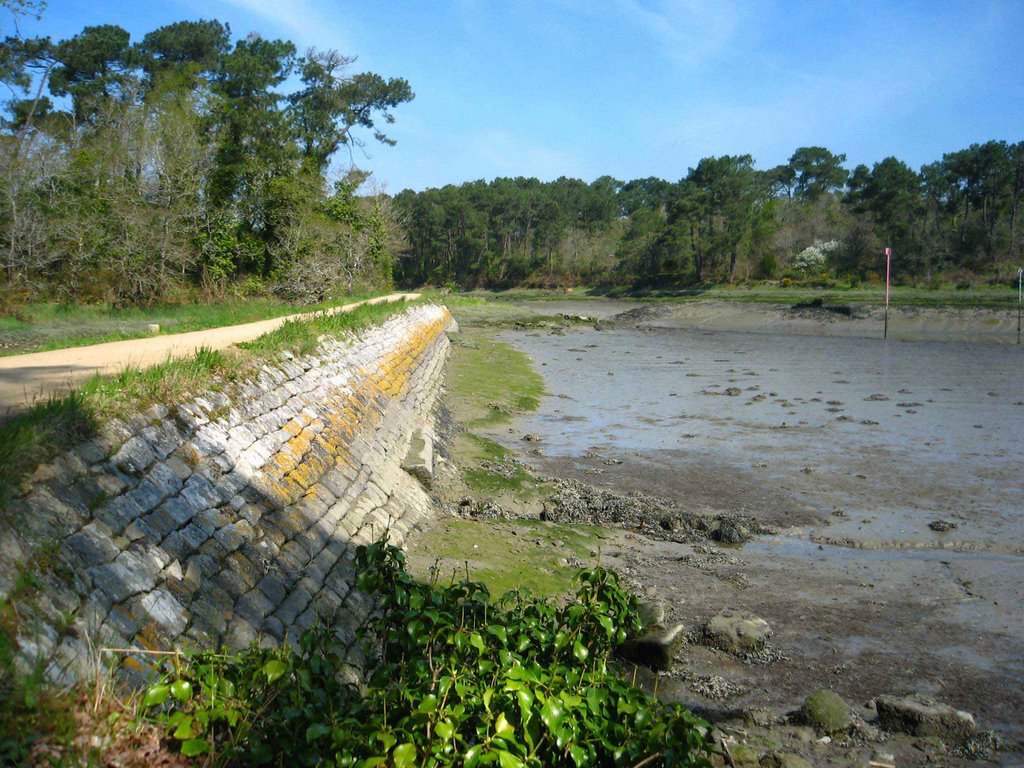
column 1020, row 274
column 888, row 273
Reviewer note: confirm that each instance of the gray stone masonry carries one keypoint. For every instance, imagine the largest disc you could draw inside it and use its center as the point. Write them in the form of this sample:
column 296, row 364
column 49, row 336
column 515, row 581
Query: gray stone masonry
column 234, row 517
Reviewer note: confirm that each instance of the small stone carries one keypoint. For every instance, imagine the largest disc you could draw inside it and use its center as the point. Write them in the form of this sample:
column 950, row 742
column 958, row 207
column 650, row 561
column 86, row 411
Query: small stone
column 652, row 612
column 730, row 532
column 735, row 632
column 919, row 717
column 827, row 713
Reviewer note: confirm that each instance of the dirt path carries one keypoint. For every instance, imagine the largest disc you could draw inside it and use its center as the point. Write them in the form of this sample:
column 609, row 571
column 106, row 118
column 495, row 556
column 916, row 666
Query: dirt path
column 27, row 379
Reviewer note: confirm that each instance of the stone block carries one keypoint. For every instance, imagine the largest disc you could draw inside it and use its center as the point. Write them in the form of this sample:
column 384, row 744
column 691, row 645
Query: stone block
column 293, row 605
column 160, row 607
column 199, row 493
column 128, row 575
column 162, row 441
column 275, row 585
column 253, row 607
column 233, row 535
column 178, row 467
column 134, row 457
column 178, row 510
column 118, row 512
column 92, row 545
column 164, row 479
column 179, row 545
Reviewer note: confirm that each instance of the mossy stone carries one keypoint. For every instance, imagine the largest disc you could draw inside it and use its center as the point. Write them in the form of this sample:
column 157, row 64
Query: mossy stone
column 784, row 760
column 827, row 713
column 744, row 756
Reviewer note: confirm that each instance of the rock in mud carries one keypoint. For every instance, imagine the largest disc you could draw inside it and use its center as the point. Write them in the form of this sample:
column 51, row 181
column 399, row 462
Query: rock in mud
column 784, row 760
column 729, row 531
column 919, row 717
column 827, row 713
column 735, row 632
column 655, row 648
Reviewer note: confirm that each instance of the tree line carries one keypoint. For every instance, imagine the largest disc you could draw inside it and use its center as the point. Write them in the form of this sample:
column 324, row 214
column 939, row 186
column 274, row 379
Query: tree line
column 957, row 219
column 142, row 171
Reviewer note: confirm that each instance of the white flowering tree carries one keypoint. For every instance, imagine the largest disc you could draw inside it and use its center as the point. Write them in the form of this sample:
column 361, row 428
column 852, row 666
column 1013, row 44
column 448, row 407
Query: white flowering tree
column 811, row 260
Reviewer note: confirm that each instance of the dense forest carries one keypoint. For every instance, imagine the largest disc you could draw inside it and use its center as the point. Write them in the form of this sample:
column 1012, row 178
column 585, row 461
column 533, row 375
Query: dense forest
column 178, row 166
column 956, row 220
column 175, row 165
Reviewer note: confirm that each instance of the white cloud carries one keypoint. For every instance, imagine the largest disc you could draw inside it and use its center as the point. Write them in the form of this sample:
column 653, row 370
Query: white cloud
column 690, row 32
column 302, row 18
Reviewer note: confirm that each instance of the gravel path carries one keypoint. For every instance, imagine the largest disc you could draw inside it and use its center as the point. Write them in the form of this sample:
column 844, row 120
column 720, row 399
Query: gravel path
column 27, row 379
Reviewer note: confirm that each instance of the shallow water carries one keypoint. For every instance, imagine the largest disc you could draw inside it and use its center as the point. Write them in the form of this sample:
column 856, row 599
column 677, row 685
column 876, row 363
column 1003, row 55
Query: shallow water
column 893, row 435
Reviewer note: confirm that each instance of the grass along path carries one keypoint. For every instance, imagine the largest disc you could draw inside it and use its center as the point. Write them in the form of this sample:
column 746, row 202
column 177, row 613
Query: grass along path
column 41, row 376
column 39, row 327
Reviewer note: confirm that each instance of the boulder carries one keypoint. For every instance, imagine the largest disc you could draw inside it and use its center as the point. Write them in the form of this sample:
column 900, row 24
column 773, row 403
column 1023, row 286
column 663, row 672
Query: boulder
column 735, row 632
column 655, row 648
column 924, row 718
column 827, row 713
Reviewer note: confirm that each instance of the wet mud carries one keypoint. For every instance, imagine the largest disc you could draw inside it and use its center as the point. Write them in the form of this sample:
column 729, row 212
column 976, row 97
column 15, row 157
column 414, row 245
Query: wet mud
column 881, row 484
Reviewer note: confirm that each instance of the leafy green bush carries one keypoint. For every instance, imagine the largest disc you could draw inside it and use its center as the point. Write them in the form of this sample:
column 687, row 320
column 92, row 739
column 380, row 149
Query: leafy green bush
column 458, row 680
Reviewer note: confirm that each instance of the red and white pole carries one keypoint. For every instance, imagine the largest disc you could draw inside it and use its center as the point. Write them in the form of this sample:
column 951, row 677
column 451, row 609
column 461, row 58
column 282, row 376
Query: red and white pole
column 888, row 275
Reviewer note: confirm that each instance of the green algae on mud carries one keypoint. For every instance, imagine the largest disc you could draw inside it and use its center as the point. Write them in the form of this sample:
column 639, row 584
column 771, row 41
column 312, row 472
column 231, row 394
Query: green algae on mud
column 507, row 554
column 490, row 381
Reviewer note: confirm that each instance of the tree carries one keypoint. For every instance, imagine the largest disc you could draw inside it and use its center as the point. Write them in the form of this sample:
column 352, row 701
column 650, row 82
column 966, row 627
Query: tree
column 93, row 66
column 814, row 171
column 332, row 104
column 197, row 46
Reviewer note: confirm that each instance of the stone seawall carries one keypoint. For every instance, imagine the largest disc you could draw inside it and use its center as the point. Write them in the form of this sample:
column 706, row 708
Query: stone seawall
column 230, row 518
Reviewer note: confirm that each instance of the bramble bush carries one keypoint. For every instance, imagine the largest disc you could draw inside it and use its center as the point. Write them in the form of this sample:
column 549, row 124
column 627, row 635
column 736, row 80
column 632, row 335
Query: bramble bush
column 458, row 679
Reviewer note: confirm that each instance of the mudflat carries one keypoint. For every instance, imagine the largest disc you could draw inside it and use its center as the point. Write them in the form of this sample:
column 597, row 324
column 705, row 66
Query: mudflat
column 884, row 478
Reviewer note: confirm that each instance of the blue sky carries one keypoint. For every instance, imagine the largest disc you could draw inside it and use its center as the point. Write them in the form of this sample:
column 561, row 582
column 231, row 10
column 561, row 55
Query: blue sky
column 635, row 88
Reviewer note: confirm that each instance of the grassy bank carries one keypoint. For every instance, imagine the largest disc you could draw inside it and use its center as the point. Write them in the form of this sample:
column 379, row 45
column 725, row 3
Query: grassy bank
column 45, row 430
column 45, row 326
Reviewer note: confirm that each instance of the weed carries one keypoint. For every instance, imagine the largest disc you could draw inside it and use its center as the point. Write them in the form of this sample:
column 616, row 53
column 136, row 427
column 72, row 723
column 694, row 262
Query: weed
column 458, row 679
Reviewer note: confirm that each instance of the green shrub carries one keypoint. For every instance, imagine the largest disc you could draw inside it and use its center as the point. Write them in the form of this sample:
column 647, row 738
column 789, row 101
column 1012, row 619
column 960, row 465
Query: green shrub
column 458, row 679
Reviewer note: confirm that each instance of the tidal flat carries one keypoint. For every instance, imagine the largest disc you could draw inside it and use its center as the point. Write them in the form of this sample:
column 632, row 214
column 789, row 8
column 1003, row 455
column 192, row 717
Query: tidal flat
column 889, row 473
